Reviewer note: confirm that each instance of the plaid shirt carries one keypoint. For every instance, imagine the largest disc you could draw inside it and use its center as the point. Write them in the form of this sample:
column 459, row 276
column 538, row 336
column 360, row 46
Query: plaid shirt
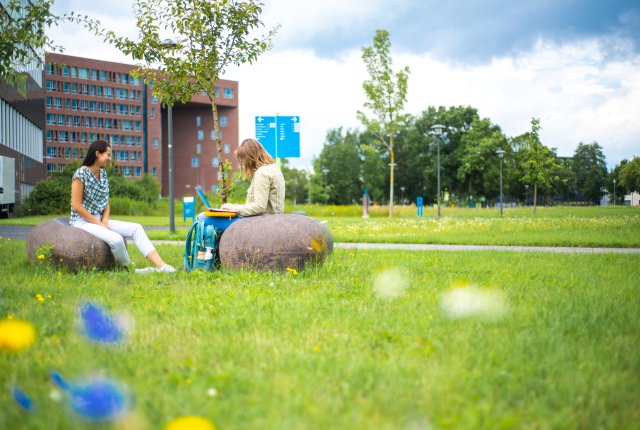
column 95, row 195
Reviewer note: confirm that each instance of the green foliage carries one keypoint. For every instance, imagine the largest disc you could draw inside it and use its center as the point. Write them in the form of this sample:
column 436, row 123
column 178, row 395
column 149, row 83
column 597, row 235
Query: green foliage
column 297, row 183
column 210, row 36
column 52, row 195
column 538, row 162
column 630, row 175
column 386, row 94
column 590, row 170
column 341, row 158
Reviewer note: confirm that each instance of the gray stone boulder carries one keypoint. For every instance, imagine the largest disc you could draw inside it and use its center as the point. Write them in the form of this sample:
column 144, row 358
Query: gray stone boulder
column 275, row 242
column 68, row 246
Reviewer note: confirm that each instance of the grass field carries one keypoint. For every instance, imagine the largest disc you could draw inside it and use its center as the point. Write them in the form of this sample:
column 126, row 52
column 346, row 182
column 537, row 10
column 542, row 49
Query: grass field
column 553, row 226
column 372, row 340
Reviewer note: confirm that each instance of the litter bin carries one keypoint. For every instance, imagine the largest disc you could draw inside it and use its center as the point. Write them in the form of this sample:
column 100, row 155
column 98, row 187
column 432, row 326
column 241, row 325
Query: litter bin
column 188, row 208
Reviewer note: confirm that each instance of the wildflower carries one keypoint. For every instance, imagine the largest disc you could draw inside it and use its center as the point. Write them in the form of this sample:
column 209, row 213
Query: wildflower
column 318, row 245
column 292, row 271
column 190, row 423
column 40, row 298
column 16, row 335
column 212, row 392
column 49, row 296
column 316, row 348
column 40, row 256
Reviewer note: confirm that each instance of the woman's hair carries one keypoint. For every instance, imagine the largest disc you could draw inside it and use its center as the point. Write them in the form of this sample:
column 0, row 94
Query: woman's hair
column 251, row 156
column 99, row 146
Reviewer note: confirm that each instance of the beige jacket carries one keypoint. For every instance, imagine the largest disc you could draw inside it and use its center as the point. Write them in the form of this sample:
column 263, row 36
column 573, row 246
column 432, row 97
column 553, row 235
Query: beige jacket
column 265, row 194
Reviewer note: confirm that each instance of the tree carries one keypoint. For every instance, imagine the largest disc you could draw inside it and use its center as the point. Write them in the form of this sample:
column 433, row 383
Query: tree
column 538, row 162
column 590, row 170
column 210, row 36
column 297, row 182
column 340, row 157
column 386, row 95
column 616, row 189
column 630, row 175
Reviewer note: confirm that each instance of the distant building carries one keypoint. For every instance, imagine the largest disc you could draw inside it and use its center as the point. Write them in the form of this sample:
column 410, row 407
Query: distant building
column 21, row 132
column 632, row 199
column 88, row 99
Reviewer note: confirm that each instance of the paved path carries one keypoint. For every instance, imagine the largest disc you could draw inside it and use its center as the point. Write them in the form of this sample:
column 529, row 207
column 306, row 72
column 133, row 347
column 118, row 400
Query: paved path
column 21, row 233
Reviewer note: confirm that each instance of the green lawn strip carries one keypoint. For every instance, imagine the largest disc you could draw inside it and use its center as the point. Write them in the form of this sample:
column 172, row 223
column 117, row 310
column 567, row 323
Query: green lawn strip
column 321, row 350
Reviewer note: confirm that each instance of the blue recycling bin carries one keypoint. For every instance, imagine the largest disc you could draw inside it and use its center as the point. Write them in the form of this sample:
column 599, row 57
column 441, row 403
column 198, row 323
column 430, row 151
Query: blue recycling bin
column 188, row 208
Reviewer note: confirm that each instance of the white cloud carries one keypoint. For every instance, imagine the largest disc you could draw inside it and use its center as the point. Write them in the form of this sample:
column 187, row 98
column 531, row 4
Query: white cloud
column 579, row 90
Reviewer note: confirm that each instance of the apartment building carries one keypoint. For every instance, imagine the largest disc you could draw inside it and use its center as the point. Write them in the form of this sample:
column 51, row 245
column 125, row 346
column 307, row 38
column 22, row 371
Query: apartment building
column 87, row 99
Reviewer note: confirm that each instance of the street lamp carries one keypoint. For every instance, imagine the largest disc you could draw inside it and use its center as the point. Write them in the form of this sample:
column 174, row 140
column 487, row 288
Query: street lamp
column 402, row 199
column 170, row 44
column 501, row 153
column 614, row 191
column 526, row 194
column 437, row 131
column 326, row 195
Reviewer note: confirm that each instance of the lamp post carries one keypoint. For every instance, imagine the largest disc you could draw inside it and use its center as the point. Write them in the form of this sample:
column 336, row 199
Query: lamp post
column 526, row 194
column 402, row 199
column 501, row 153
column 326, row 195
column 437, row 131
column 170, row 44
column 614, row 191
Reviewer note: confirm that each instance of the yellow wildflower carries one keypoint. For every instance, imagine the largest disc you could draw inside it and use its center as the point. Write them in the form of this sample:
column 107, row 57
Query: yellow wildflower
column 40, row 256
column 292, row 271
column 40, row 298
column 190, row 423
column 316, row 348
column 16, row 335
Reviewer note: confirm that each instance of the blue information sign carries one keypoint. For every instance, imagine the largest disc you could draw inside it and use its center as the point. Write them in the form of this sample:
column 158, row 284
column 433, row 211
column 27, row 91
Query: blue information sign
column 280, row 135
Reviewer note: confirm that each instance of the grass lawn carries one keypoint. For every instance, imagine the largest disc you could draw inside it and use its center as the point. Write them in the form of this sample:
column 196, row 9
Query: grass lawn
column 372, row 340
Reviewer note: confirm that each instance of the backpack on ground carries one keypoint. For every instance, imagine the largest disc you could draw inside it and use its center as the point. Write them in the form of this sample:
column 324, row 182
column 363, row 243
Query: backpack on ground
column 201, row 246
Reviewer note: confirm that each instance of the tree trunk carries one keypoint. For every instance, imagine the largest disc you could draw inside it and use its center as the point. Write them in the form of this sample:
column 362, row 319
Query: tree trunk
column 223, row 167
column 392, row 157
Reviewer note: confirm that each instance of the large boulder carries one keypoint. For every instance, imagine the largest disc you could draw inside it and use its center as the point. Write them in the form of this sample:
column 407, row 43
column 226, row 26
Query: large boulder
column 68, row 246
column 275, row 242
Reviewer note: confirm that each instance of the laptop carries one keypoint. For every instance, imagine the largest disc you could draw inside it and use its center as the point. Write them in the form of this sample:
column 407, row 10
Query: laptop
column 208, row 206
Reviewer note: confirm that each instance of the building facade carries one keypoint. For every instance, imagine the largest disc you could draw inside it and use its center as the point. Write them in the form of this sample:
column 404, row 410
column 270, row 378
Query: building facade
column 87, row 99
column 21, row 132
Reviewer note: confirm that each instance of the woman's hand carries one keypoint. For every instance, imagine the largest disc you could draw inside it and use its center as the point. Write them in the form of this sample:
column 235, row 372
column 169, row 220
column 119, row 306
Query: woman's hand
column 228, row 206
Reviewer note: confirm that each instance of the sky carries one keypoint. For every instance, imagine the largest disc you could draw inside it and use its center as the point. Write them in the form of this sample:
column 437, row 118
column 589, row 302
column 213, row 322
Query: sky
column 575, row 64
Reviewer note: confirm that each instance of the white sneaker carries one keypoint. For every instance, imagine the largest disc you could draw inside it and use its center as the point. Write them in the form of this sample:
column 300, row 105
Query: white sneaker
column 166, row 268
column 146, row 270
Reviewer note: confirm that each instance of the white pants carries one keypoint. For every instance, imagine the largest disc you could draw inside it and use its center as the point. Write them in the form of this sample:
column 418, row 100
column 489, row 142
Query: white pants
column 120, row 230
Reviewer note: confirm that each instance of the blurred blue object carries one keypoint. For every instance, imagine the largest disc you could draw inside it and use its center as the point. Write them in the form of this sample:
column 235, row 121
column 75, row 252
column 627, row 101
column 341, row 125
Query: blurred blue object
column 99, row 399
column 98, row 325
column 22, row 399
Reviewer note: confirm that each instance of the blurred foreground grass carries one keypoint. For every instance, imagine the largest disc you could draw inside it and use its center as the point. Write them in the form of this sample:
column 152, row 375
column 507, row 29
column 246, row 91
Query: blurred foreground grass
column 373, row 339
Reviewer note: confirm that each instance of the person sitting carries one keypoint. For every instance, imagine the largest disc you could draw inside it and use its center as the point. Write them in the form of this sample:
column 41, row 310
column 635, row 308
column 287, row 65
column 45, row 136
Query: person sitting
column 265, row 195
column 90, row 210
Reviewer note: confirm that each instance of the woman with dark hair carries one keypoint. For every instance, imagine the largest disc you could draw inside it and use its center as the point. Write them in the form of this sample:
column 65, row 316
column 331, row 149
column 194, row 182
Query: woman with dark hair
column 90, row 210
column 266, row 192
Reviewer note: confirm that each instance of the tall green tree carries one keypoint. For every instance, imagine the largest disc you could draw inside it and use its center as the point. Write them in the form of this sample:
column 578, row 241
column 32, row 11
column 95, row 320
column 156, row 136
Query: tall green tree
column 209, row 37
column 590, row 170
column 538, row 162
column 615, row 187
column 386, row 94
column 340, row 157
column 297, row 181
column 630, row 175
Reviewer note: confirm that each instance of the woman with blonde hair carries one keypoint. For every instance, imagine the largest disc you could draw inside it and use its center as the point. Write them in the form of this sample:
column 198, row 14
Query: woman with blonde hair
column 265, row 195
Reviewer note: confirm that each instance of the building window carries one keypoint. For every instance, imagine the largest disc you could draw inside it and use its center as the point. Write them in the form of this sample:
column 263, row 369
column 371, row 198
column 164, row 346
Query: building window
column 228, row 93
column 83, row 73
column 198, row 121
column 215, row 162
column 94, row 75
column 74, row 88
column 74, row 72
column 66, row 87
column 65, row 71
column 153, row 171
column 223, row 121
column 49, row 69
column 51, row 168
column 49, row 135
column 198, row 149
column 51, row 119
column 155, row 143
column 152, row 113
column 195, row 162
column 103, row 75
column 51, row 85
column 154, row 99
column 227, row 148
column 217, row 91
column 200, row 135
column 214, row 188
